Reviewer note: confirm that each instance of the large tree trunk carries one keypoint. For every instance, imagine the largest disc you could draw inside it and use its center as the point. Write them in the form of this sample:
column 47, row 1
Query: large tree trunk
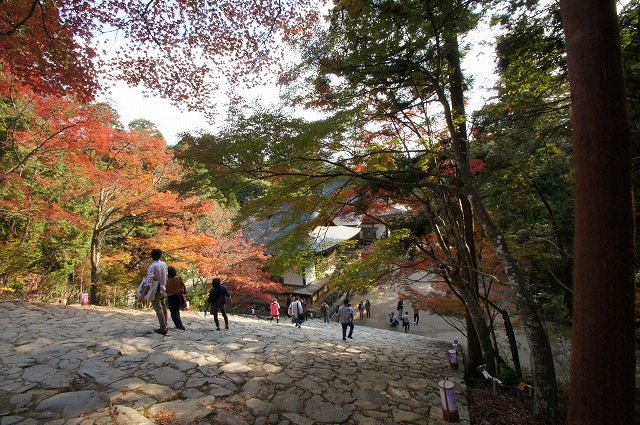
column 603, row 359
column 95, row 268
column 474, row 356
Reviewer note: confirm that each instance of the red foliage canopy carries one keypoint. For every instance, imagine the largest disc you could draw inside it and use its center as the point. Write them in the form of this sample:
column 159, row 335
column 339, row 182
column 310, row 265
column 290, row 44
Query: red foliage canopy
column 178, row 49
column 39, row 44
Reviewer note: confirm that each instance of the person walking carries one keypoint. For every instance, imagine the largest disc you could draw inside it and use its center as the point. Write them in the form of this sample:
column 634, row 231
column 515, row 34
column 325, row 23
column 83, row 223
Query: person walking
column 274, row 311
column 361, row 309
column 367, row 307
column 416, row 314
column 303, row 303
column 157, row 272
column 324, row 309
column 288, row 304
column 296, row 311
column 405, row 321
column 345, row 314
column 217, row 299
column 400, row 308
column 176, row 291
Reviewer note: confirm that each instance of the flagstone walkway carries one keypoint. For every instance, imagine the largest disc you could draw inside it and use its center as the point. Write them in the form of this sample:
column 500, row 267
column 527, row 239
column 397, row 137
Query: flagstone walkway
column 97, row 365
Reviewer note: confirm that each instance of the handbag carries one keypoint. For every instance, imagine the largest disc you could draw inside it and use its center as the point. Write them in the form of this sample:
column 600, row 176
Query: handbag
column 141, row 287
column 151, row 293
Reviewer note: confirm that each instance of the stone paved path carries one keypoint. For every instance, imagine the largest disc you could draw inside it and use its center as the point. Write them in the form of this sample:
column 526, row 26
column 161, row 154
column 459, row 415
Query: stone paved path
column 96, row 365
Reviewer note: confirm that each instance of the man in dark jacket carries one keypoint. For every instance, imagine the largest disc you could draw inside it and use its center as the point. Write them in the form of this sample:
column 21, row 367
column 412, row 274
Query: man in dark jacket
column 217, row 299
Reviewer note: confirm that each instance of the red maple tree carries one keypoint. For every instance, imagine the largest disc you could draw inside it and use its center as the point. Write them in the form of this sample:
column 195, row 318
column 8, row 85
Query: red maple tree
column 184, row 50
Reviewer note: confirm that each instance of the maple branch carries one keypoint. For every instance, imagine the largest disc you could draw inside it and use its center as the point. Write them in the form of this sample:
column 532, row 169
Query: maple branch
column 273, row 25
column 14, row 27
column 143, row 15
column 558, row 281
column 35, row 150
column 377, row 176
column 146, row 8
column 46, row 30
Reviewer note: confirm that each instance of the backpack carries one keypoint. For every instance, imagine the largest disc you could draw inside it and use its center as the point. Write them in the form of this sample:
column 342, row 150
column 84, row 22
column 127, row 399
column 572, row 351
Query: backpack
column 323, row 307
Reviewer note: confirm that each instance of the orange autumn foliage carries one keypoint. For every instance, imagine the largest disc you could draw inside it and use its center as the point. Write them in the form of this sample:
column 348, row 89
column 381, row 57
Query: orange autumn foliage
column 67, row 164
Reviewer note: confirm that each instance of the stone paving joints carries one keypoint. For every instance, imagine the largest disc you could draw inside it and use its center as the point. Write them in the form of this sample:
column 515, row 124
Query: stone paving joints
column 97, row 365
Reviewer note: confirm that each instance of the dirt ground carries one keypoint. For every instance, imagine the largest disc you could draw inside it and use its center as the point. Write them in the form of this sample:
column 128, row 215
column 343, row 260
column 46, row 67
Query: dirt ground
column 385, row 300
column 506, row 407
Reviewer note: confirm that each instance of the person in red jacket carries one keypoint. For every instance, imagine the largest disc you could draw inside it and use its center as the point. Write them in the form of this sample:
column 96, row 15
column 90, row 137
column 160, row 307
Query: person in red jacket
column 274, row 310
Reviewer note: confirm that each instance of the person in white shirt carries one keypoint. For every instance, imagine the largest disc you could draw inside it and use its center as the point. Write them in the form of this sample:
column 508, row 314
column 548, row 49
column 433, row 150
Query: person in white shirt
column 157, row 272
column 297, row 312
column 345, row 314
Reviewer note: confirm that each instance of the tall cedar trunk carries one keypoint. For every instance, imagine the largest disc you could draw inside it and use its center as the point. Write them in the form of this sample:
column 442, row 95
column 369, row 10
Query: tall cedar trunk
column 603, row 358
column 546, row 388
column 474, row 356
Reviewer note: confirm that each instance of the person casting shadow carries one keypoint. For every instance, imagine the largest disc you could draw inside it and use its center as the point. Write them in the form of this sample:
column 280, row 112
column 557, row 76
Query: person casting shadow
column 175, row 291
column 217, row 299
column 157, row 272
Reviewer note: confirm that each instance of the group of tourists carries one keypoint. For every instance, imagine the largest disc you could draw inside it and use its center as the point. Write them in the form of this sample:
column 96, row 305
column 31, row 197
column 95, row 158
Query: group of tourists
column 297, row 311
column 364, row 308
column 394, row 320
column 170, row 293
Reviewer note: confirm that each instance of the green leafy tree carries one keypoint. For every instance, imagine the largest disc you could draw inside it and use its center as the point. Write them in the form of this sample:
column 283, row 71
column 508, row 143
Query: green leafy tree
column 524, row 140
column 402, row 77
column 385, row 143
column 146, row 126
column 630, row 39
column 196, row 155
